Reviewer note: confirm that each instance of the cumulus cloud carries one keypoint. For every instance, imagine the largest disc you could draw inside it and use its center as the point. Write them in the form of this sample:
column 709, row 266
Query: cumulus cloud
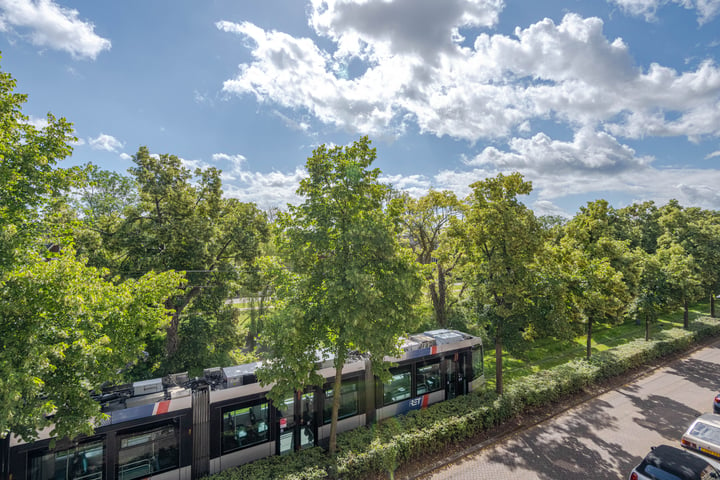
column 105, row 142
column 706, row 9
column 48, row 25
column 422, row 28
column 267, row 190
column 589, row 151
column 714, row 154
column 569, row 71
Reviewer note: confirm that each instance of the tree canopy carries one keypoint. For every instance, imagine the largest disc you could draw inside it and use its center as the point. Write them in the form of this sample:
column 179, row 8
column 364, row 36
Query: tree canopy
column 353, row 286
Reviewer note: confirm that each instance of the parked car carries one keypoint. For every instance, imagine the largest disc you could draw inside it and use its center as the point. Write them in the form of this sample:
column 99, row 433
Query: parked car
column 703, row 435
column 716, row 403
column 670, row 463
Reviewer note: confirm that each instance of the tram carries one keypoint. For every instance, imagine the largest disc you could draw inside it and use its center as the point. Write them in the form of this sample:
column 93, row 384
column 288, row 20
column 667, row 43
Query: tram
column 177, row 428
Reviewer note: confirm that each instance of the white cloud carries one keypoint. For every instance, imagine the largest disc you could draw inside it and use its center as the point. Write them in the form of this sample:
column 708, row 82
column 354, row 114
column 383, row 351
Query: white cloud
column 570, row 72
column 105, row 142
column 267, row 190
column 37, row 122
column 590, row 151
column 546, row 207
column 48, row 25
column 125, row 156
column 714, row 154
column 706, row 9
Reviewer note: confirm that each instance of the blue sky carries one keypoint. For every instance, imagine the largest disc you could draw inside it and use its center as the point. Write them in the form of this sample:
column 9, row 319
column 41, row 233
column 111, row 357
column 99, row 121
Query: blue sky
column 614, row 99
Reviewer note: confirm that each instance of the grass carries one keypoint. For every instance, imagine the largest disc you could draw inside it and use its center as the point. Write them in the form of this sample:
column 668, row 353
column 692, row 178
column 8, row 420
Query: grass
column 549, row 352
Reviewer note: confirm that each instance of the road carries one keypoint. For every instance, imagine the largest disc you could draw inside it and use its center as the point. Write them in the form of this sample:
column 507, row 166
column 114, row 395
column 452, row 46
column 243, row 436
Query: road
column 607, row 436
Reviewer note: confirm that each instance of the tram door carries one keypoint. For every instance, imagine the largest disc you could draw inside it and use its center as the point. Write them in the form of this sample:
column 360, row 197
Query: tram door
column 285, row 426
column 296, row 423
column 308, row 425
column 454, row 375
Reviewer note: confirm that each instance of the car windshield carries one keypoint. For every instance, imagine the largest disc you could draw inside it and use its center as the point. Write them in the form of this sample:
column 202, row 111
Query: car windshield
column 705, row 432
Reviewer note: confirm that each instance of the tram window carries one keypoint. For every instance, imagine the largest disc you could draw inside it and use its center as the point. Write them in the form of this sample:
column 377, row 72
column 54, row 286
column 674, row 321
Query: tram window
column 242, row 427
column 427, row 378
column 141, row 454
column 349, row 401
column 83, row 462
column 400, row 385
column 477, row 362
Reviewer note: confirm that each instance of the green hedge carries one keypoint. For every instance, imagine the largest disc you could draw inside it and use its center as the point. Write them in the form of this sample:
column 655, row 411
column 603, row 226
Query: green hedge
column 381, row 448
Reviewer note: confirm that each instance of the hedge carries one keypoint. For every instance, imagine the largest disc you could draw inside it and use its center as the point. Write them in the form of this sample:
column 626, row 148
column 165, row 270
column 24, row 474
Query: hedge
column 370, row 451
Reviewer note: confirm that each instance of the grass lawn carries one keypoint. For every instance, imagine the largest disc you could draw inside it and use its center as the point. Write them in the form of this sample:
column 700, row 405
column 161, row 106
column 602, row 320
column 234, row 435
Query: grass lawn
column 548, row 352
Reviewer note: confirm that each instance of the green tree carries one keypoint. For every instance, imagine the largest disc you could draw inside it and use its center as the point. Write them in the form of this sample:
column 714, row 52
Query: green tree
column 67, row 331
column 502, row 237
column 352, row 287
column 638, row 224
column 181, row 222
column 653, row 294
column 683, row 278
column 29, row 177
column 603, row 272
column 64, row 329
column 697, row 233
column 425, row 223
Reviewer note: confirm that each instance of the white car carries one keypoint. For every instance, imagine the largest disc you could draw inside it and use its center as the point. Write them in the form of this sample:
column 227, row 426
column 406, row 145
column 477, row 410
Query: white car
column 670, row 463
column 703, row 435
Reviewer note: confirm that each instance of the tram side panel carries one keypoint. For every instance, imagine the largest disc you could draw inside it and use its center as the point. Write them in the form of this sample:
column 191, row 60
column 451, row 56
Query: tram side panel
column 158, row 446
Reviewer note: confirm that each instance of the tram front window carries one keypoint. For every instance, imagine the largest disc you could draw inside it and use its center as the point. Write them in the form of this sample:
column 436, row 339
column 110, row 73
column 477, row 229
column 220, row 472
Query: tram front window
column 84, row 462
column 142, row 454
column 477, row 362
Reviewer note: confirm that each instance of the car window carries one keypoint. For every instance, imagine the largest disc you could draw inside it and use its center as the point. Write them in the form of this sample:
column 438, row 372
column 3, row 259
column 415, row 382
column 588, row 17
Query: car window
column 659, row 474
column 708, row 433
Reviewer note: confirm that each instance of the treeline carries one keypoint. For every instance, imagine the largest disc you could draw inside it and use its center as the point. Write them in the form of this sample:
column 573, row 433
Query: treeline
column 106, row 277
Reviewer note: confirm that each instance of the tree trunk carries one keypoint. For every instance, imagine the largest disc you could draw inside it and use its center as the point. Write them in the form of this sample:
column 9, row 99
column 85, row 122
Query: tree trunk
column 335, row 407
column 712, row 305
column 172, row 340
column 647, row 327
column 438, row 295
column 686, row 314
column 498, row 361
column 252, row 329
column 589, row 337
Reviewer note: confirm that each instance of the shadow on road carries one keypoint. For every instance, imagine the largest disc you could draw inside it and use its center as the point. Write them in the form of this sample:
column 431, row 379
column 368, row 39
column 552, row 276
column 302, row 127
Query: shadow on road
column 702, row 373
column 571, row 449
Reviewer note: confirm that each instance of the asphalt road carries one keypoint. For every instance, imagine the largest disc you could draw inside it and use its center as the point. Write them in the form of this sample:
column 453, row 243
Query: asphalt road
column 607, row 436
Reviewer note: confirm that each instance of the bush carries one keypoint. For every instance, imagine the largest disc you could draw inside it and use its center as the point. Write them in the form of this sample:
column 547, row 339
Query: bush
column 383, row 447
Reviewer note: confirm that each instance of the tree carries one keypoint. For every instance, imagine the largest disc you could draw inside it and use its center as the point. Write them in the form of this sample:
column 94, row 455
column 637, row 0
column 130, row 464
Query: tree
column 352, row 286
column 502, row 237
column 653, row 294
column 639, row 225
column 602, row 270
column 66, row 332
column 691, row 238
column 29, row 177
column 181, row 222
column 683, row 278
column 425, row 223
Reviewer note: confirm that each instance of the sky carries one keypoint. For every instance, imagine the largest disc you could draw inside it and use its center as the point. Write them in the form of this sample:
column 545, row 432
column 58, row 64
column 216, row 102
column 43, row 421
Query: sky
column 588, row 99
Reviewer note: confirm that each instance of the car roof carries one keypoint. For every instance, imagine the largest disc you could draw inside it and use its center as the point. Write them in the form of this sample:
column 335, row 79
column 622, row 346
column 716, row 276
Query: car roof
column 679, row 462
